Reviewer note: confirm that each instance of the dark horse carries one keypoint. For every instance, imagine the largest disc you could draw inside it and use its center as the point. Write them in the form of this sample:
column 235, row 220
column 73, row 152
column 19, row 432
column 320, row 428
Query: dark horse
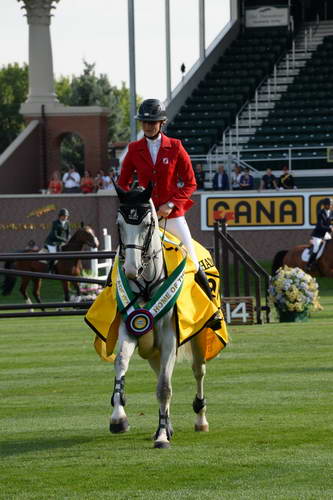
column 83, row 236
column 292, row 258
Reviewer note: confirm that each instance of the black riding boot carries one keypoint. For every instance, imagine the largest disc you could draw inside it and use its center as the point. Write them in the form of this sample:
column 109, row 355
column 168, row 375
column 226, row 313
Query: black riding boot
column 311, row 261
column 51, row 266
column 201, row 278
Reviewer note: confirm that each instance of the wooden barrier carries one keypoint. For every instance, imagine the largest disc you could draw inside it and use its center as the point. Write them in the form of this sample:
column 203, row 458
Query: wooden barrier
column 241, row 274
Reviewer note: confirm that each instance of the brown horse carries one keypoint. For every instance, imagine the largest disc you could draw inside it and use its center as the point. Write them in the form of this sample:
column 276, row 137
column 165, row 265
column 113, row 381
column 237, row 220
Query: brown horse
column 292, row 258
column 83, row 236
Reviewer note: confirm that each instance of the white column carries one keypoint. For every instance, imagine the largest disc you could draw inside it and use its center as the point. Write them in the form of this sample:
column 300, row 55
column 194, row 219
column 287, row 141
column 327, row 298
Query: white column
column 234, row 9
column 168, row 49
column 41, row 80
column 132, row 74
column 202, row 36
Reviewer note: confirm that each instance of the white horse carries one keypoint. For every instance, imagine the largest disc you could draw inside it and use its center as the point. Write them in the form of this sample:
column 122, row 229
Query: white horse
column 141, row 259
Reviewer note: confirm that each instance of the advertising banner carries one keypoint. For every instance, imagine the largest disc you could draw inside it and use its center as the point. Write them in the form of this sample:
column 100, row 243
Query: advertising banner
column 262, row 211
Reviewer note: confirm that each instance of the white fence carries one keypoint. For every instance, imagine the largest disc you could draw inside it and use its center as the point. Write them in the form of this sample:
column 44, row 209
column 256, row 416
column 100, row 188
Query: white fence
column 107, row 263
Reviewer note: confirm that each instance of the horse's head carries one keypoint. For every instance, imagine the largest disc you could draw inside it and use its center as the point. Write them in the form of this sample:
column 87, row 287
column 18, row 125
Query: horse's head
column 137, row 221
column 83, row 236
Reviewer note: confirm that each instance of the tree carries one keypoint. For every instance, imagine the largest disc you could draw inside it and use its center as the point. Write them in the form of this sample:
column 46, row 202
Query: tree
column 13, row 92
column 90, row 89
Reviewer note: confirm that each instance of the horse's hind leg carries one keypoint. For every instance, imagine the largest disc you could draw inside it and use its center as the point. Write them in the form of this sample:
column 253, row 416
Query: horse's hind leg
column 127, row 344
column 199, row 372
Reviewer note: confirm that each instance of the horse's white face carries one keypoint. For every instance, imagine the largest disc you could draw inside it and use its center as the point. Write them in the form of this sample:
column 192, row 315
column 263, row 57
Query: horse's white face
column 134, row 240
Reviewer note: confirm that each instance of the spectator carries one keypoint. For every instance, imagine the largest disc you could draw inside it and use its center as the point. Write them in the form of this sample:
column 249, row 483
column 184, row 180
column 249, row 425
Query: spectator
column 109, row 179
column 246, row 180
column 87, row 184
column 71, row 181
column 100, row 180
column 31, row 246
column 199, row 176
column 286, row 180
column 221, row 180
column 235, row 178
column 268, row 180
column 55, row 185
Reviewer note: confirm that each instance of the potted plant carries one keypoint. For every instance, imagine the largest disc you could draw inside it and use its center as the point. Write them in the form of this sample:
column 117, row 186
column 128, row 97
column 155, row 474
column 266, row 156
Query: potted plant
column 293, row 293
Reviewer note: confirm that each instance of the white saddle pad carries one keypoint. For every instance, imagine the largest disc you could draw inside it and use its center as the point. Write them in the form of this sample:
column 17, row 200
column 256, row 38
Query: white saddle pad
column 306, row 253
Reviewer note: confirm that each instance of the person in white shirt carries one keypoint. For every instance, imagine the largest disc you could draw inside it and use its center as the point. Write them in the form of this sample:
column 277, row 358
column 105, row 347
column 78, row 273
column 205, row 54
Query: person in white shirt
column 235, row 178
column 71, row 181
column 108, row 181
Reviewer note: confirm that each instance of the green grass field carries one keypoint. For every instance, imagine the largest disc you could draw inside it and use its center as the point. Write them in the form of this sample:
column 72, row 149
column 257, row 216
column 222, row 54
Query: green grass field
column 269, row 408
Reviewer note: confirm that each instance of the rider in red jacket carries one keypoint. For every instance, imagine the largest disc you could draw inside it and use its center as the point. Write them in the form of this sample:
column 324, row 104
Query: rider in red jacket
column 163, row 161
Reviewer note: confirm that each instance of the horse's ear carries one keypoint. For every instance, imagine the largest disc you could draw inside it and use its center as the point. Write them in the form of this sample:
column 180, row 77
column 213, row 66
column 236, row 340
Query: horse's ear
column 82, row 224
column 120, row 192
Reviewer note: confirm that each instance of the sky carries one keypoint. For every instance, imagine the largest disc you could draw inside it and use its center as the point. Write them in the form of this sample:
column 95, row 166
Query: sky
column 97, row 31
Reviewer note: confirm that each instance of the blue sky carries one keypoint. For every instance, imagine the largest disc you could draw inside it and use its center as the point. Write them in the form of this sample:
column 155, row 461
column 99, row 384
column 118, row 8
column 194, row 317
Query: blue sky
column 98, row 32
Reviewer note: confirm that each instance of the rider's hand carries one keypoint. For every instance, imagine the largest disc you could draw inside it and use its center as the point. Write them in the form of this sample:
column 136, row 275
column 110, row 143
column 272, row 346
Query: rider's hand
column 164, row 210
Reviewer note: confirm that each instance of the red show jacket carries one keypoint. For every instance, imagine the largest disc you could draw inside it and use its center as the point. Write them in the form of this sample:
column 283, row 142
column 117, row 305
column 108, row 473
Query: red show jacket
column 172, row 175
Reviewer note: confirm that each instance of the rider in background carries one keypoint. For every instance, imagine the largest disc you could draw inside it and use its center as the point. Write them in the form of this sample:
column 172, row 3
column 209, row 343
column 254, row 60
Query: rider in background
column 59, row 234
column 322, row 231
column 163, row 161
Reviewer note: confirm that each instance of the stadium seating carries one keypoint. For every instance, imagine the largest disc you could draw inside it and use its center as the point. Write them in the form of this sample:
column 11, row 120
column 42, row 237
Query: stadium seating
column 216, row 101
column 304, row 115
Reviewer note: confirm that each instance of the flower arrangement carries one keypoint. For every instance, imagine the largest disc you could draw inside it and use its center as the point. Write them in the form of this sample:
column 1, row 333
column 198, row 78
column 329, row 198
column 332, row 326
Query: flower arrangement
column 291, row 289
column 88, row 291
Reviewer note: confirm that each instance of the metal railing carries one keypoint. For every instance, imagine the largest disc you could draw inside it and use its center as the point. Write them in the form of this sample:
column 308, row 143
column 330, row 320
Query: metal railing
column 80, row 308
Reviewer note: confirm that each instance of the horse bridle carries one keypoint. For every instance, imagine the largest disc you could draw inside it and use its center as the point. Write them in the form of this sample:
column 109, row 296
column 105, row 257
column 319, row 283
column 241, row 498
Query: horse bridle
column 134, row 215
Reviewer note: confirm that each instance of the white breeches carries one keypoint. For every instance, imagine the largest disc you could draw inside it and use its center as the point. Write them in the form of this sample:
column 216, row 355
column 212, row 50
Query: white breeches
column 52, row 248
column 317, row 241
column 178, row 226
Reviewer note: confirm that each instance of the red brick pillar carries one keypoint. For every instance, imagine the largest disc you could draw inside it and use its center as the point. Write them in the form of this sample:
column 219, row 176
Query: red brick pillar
column 89, row 123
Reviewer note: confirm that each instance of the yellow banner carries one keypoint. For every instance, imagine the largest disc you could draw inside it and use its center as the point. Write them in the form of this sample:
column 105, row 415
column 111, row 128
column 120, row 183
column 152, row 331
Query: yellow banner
column 257, row 211
column 315, row 204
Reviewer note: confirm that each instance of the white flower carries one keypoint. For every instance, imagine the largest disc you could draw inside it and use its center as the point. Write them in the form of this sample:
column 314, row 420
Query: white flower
column 293, row 290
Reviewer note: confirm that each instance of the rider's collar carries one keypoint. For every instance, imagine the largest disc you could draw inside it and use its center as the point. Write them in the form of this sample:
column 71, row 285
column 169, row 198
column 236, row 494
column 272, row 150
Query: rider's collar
column 156, row 138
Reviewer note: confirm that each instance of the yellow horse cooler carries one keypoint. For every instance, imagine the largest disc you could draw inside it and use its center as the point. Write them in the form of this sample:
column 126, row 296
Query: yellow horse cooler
column 192, row 307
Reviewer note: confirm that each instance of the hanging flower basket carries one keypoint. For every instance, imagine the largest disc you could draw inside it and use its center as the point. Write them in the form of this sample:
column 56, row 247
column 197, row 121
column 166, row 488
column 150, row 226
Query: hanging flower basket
column 294, row 294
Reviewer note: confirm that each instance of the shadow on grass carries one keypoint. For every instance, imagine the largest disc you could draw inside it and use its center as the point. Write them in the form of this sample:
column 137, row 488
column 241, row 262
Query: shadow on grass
column 9, row 448
column 123, row 441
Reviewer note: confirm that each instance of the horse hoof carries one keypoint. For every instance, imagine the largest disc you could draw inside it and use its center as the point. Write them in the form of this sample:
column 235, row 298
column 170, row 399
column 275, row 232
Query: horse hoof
column 162, row 444
column 119, row 427
column 201, row 428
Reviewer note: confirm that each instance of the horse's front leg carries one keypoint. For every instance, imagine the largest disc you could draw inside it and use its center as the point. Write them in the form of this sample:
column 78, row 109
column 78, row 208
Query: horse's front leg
column 168, row 348
column 127, row 344
column 199, row 372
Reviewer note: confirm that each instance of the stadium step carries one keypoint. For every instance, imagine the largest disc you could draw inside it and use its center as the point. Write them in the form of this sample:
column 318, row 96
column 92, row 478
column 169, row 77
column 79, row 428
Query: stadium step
column 288, row 70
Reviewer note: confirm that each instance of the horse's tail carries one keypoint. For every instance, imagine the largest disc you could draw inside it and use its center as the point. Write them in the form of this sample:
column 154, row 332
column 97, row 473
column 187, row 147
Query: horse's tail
column 278, row 260
column 9, row 280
